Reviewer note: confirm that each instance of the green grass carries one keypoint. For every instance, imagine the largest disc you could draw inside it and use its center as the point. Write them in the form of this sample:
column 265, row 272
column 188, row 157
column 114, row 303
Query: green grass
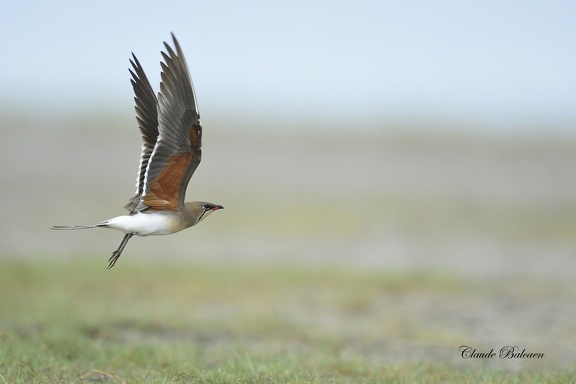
column 74, row 321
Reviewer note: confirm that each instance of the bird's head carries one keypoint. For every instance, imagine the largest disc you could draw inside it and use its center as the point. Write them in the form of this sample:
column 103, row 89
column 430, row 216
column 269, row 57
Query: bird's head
column 199, row 210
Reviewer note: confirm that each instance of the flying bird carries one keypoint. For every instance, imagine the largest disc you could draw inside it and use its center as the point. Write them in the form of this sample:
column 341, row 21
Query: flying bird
column 171, row 151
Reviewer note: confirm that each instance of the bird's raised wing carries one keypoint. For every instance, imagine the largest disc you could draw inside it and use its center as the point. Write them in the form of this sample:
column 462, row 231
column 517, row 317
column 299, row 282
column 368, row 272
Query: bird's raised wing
column 178, row 150
column 147, row 117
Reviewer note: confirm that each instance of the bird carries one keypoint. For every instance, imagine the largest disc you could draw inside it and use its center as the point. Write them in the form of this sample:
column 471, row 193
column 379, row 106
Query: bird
column 171, row 151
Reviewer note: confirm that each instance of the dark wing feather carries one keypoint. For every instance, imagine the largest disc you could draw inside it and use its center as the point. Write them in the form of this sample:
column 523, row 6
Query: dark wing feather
column 147, row 116
column 178, row 150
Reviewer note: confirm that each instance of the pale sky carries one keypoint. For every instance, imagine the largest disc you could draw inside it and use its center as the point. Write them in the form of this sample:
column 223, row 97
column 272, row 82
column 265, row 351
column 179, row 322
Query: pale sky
column 493, row 61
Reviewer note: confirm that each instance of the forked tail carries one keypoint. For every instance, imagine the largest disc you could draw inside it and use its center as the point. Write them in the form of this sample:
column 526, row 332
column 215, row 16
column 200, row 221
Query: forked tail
column 74, row 227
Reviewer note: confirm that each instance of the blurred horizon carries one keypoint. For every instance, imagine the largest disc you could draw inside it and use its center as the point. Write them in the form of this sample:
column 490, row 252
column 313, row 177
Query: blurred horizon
column 120, row 119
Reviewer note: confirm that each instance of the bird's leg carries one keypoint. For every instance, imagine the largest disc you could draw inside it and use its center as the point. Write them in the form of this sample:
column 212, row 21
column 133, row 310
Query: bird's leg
column 116, row 254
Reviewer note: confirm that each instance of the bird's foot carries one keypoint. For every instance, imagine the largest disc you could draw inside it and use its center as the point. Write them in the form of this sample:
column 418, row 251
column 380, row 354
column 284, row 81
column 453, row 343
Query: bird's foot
column 116, row 254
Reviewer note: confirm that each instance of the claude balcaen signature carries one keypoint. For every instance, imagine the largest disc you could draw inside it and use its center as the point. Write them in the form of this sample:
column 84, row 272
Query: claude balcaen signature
column 507, row 352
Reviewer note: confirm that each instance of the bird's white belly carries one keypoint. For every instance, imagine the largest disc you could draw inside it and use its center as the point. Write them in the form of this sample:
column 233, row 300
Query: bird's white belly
column 145, row 224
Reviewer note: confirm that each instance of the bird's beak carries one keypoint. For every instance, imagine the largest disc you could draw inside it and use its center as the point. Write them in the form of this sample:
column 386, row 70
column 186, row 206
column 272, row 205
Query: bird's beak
column 217, row 208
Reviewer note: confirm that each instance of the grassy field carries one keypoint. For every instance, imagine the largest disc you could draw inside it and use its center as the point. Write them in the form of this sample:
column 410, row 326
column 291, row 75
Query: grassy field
column 73, row 321
column 339, row 258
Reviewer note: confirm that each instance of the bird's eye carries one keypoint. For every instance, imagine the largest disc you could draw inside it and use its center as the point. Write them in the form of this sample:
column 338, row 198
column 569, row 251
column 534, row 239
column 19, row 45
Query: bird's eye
column 206, row 207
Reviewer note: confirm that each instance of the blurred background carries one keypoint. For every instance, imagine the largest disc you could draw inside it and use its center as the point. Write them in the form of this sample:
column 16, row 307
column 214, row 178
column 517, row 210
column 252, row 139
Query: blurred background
column 374, row 135
column 412, row 135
